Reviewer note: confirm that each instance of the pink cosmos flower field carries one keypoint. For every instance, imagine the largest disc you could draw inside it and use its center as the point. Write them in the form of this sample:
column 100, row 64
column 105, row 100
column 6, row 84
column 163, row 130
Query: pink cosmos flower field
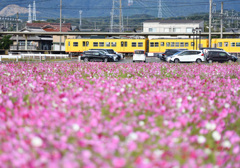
column 106, row 115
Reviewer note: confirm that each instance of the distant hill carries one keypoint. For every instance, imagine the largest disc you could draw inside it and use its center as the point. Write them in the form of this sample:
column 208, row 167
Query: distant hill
column 11, row 10
column 92, row 8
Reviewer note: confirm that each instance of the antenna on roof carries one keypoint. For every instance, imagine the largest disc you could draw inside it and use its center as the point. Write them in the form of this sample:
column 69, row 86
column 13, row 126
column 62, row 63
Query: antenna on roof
column 34, row 11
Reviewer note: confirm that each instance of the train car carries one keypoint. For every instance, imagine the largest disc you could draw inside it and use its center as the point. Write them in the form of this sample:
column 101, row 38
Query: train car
column 230, row 45
column 160, row 45
column 125, row 46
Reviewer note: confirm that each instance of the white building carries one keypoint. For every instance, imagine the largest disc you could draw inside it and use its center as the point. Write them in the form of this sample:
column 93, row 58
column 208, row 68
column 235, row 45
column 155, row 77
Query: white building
column 172, row 26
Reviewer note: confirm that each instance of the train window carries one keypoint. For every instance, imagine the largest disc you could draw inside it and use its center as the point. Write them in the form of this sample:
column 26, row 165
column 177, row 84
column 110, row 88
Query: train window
column 75, row 44
column 168, row 44
column 192, row 44
column 83, row 43
column 186, row 44
column 220, row 44
column 151, row 44
column 95, row 44
column 237, row 44
column 162, row 43
column 87, row 43
column 101, row 44
column 69, row 44
column 225, row 44
column 134, row 44
column 156, row 44
column 181, row 44
column 177, row 44
column 140, row 44
column 172, row 44
column 232, row 44
column 107, row 44
column 114, row 44
column 125, row 44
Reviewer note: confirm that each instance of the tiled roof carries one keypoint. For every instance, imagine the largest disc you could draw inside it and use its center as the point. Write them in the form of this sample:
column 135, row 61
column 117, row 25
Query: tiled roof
column 51, row 27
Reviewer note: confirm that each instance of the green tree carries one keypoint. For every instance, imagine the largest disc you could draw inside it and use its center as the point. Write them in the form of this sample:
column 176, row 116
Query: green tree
column 6, row 42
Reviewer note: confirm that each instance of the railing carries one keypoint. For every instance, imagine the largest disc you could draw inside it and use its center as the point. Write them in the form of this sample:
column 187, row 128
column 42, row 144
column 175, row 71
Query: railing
column 20, row 47
column 34, row 56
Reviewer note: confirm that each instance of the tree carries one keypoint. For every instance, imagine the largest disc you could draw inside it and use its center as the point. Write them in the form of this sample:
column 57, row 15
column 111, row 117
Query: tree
column 6, row 42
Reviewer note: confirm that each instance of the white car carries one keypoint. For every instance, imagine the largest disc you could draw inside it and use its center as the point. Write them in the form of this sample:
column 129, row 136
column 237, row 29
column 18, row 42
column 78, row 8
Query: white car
column 139, row 55
column 187, row 56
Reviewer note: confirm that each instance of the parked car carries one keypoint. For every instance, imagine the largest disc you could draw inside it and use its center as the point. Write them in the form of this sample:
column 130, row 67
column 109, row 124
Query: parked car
column 234, row 58
column 219, row 56
column 111, row 52
column 187, row 56
column 139, row 55
column 169, row 52
column 96, row 55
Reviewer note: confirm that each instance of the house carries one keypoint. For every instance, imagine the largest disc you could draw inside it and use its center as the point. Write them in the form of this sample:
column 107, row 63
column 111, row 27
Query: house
column 41, row 43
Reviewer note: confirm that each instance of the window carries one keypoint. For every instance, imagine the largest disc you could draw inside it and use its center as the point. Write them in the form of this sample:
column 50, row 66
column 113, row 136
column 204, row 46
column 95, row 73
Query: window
column 85, row 43
column 232, row 44
column 125, row 44
column 192, row 44
column 152, row 30
column 177, row 44
column 189, row 30
column 75, row 44
column 162, row 43
column 101, row 44
column 140, row 44
column 225, row 44
column 172, row 44
column 69, row 44
column 168, row 44
column 95, row 44
column 181, row 44
column 220, row 44
column 167, row 29
column 186, row 44
column 222, row 54
column 176, row 30
column 107, row 44
column 134, row 44
column 114, row 44
column 237, row 44
column 156, row 44
column 151, row 44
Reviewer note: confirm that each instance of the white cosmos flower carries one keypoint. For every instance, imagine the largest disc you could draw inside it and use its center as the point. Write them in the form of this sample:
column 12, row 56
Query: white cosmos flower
column 75, row 127
column 133, row 136
column 216, row 136
column 226, row 105
column 226, row 144
column 36, row 141
column 207, row 151
column 210, row 126
column 201, row 139
column 158, row 153
column 141, row 123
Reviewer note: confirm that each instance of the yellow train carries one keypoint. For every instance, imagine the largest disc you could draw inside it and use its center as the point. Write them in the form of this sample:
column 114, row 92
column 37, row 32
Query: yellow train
column 127, row 46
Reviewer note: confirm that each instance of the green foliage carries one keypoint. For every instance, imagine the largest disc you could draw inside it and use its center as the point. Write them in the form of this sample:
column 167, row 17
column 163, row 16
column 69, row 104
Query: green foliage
column 5, row 42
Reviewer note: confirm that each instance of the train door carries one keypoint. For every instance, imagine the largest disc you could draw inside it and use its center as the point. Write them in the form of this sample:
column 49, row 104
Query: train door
column 124, row 46
column 85, row 45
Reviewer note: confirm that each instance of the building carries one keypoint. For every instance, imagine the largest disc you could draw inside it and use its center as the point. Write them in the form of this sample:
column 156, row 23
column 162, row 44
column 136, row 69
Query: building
column 172, row 26
column 41, row 43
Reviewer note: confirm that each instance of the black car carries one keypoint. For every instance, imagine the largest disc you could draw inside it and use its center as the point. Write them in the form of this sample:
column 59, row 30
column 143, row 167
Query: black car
column 110, row 52
column 170, row 52
column 219, row 56
column 96, row 55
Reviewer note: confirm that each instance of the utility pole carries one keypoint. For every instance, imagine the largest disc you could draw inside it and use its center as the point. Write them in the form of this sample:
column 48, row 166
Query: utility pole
column 80, row 21
column 60, row 45
column 221, row 20
column 210, row 23
column 120, row 15
column 17, row 30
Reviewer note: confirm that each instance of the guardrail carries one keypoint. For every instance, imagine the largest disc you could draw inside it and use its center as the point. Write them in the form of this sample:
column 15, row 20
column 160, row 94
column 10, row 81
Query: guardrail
column 34, row 56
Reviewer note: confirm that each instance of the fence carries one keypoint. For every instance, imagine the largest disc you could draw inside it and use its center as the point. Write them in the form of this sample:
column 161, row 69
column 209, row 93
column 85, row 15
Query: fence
column 34, row 56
